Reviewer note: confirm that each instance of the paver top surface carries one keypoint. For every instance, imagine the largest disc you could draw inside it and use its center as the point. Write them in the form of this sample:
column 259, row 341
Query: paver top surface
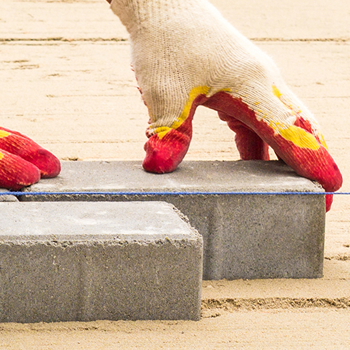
column 92, row 221
column 205, row 176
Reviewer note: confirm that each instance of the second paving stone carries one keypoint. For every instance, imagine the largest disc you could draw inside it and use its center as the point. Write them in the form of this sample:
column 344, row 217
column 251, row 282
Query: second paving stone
column 98, row 261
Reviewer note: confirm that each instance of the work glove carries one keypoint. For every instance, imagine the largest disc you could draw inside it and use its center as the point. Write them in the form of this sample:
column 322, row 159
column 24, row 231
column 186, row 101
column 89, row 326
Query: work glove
column 23, row 162
column 185, row 54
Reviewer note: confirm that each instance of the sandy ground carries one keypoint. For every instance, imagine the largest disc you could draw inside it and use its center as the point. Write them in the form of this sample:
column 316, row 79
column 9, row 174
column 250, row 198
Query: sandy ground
column 66, row 82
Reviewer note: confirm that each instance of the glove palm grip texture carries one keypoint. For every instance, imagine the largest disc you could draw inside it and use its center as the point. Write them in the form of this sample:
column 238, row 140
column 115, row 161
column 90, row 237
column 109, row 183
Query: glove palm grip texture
column 185, row 54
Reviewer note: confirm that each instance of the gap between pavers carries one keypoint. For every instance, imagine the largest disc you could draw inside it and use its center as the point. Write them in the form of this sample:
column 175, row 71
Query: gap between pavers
column 245, row 236
column 98, row 261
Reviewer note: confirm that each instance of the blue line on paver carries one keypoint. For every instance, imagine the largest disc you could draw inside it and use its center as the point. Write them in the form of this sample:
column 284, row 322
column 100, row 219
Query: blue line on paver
column 199, row 193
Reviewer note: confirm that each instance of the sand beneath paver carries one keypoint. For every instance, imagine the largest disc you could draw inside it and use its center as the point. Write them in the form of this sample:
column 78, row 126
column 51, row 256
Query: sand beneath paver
column 77, row 97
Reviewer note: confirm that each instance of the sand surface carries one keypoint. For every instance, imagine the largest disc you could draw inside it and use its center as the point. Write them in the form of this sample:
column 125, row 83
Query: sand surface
column 66, row 82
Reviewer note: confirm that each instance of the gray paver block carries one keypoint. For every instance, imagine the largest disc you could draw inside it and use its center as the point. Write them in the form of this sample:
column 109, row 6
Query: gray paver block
column 7, row 198
column 245, row 236
column 90, row 261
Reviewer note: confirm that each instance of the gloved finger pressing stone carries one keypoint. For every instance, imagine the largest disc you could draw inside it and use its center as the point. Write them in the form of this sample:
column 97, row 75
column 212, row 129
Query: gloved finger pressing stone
column 166, row 148
column 15, row 172
column 282, row 122
column 170, row 130
column 24, row 147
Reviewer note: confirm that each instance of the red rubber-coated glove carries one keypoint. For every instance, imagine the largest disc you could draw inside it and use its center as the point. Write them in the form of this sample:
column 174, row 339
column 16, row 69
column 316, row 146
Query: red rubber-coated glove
column 185, row 54
column 23, row 162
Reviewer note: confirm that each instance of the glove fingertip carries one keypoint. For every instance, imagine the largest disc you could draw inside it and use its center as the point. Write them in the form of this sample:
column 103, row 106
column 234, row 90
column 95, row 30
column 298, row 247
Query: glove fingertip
column 16, row 173
column 48, row 164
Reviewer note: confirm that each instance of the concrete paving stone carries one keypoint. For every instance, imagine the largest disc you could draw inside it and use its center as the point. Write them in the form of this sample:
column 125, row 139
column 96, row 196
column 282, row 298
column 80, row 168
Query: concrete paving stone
column 7, row 198
column 245, row 236
column 95, row 261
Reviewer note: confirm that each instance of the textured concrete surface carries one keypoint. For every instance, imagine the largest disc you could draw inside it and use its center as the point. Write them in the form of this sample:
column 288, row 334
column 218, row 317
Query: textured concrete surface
column 245, row 236
column 95, row 261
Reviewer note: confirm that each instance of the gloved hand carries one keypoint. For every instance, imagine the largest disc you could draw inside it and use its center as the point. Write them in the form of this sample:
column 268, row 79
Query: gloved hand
column 186, row 54
column 23, row 162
